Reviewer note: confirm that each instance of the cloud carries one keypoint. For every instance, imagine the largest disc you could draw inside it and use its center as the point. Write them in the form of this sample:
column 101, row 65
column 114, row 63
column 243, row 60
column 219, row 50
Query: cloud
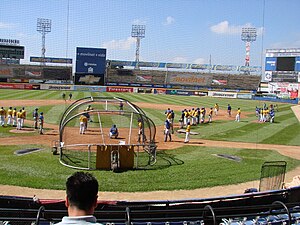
column 169, row 20
column 225, row 28
column 6, row 25
column 199, row 61
column 123, row 44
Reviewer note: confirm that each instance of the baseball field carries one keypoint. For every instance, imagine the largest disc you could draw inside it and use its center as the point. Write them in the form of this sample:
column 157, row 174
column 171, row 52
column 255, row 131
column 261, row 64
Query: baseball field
column 190, row 170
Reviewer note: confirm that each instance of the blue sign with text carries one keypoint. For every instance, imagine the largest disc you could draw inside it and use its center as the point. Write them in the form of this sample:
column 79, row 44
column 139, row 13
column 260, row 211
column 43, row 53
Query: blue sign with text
column 271, row 63
column 90, row 60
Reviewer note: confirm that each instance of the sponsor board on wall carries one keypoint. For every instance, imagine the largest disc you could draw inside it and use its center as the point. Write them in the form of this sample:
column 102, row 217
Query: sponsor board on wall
column 90, row 60
column 90, row 88
column 284, row 89
column 179, row 92
column 222, row 94
column 89, row 79
column 119, row 89
column 56, row 87
column 16, row 86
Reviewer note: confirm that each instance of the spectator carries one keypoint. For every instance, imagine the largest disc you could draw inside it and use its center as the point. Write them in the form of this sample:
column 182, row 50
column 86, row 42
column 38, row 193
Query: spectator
column 81, row 199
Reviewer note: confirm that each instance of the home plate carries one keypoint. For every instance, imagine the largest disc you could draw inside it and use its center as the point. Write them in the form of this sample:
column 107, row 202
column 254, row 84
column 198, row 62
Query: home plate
column 182, row 131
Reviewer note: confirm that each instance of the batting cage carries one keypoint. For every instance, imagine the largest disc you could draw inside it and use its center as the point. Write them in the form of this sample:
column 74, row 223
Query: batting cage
column 106, row 133
column 272, row 175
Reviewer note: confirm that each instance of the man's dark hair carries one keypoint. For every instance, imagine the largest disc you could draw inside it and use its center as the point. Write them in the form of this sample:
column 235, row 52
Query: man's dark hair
column 82, row 190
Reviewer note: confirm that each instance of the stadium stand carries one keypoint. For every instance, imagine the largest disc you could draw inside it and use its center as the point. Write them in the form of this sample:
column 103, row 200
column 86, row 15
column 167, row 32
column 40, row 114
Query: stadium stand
column 271, row 207
column 159, row 77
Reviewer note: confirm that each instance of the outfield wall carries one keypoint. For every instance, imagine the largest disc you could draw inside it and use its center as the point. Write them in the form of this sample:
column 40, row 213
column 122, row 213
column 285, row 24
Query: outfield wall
column 183, row 92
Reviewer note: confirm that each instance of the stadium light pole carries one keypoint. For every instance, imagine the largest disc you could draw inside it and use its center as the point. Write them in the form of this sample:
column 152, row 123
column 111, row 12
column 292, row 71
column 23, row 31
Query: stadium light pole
column 43, row 26
column 249, row 35
column 138, row 32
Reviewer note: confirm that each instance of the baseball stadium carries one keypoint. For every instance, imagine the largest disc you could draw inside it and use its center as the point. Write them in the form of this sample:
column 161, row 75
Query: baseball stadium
column 171, row 138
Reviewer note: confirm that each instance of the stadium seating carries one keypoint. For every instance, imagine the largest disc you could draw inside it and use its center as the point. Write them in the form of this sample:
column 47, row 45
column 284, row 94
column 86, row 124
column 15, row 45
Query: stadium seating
column 159, row 77
column 264, row 208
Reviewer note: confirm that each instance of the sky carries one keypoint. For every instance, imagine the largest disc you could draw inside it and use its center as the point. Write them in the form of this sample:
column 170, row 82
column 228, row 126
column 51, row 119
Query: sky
column 183, row 31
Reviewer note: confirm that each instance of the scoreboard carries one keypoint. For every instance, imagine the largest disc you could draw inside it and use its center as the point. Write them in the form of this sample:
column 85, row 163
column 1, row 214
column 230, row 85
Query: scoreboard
column 11, row 51
column 282, row 65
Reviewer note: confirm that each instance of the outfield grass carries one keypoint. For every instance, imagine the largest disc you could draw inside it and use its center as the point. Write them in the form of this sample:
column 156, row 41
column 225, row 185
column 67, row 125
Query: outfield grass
column 188, row 167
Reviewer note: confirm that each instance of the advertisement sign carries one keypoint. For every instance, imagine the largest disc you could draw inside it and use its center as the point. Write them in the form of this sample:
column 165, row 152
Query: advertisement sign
column 268, row 75
column 16, row 86
column 89, row 79
column 50, row 60
column 118, row 89
column 284, row 89
column 179, row 92
column 90, row 60
column 270, row 64
column 222, row 94
column 89, row 88
column 56, row 87
column 297, row 64
column 219, row 82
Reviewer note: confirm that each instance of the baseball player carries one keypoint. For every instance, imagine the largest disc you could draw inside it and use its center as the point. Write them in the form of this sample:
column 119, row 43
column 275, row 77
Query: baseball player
column 113, row 132
column 9, row 116
column 19, row 119
column 202, row 115
column 181, row 120
column 167, row 131
column 2, row 116
column 272, row 115
column 82, row 125
column 63, row 96
column 187, row 133
column 238, row 115
column 35, row 116
column 210, row 114
column 41, row 123
column 23, row 117
column 141, row 131
column 14, row 117
column 229, row 110
column 216, row 109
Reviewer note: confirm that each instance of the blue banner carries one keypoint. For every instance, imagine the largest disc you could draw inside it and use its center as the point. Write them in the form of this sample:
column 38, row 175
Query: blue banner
column 297, row 64
column 90, row 60
column 270, row 63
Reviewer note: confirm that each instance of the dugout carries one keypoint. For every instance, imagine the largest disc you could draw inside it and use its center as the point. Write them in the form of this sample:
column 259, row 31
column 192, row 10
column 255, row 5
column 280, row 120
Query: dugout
column 134, row 147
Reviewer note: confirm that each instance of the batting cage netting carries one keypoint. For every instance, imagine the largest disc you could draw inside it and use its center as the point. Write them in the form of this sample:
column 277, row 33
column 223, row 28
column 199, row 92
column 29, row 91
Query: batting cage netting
column 106, row 133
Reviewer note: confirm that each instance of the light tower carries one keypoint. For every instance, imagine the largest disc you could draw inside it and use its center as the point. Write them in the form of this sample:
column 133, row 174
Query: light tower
column 43, row 26
column 138, row 31
column 248, row 36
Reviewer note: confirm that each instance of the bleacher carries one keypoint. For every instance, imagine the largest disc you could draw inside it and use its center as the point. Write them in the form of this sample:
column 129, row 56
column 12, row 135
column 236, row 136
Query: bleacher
column 266, row 208
column 160, row 77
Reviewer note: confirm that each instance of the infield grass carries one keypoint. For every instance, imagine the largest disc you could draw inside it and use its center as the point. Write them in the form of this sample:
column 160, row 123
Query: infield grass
column 188, row 167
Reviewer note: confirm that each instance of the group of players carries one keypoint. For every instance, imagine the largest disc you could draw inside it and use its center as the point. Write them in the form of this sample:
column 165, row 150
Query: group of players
column 192, row 117
column 266, row 114
column 16, row 118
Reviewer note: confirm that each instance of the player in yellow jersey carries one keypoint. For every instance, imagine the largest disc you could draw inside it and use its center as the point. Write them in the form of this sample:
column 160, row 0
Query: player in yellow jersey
column 216, row 108
column 2, row 116
column 210, row 114
column 187, row 133
column 9, row 116
column 19, row 119
column 82, row 124
column 238, row 115
column 23, row 117
column 14, row 117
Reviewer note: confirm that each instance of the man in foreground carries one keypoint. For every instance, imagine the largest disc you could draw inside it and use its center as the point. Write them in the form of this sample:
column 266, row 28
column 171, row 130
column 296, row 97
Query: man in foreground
column 81, row 199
